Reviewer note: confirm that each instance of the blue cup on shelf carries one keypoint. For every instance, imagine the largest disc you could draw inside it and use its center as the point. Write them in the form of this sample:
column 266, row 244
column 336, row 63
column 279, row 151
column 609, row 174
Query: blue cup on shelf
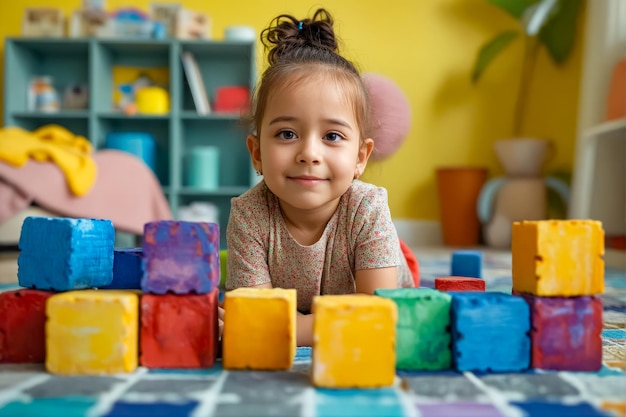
column 140, row 144
column 204, row 168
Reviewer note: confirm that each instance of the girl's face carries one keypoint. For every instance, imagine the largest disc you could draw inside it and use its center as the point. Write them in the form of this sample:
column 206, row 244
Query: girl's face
column 309, row 149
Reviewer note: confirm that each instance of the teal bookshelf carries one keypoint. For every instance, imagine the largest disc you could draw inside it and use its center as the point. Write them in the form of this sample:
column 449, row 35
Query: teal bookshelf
column 90, row 62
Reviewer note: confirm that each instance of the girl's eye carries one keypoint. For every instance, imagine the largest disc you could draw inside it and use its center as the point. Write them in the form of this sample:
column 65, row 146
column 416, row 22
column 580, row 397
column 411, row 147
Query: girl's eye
column 333, row 137
column 286, row 134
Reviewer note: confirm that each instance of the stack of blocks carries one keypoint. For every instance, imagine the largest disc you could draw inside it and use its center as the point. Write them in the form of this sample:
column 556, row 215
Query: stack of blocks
column 59, row 320
column 551, row 321
column 558, row 270
column 466, row 273
column 180, row 285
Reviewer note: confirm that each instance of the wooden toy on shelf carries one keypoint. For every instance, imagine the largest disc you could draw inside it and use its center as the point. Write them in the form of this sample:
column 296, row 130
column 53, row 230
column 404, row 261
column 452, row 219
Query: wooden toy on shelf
column 39, row 22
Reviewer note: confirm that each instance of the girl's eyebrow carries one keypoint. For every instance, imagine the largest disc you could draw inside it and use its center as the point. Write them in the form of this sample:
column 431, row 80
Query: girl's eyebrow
column 291, row 119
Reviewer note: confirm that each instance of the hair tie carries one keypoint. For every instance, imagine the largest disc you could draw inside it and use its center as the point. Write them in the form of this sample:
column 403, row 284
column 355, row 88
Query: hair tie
column 300, row 25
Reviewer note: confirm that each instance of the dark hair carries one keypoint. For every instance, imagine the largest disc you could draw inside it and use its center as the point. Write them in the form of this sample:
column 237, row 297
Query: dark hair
column 298, row 48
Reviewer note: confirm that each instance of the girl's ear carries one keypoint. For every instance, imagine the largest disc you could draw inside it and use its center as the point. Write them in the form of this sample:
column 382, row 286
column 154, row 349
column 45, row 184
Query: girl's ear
column 364, row 155
column 254, row 147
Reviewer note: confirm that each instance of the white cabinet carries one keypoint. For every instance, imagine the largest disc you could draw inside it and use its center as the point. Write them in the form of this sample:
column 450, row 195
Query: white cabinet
column 599, row 177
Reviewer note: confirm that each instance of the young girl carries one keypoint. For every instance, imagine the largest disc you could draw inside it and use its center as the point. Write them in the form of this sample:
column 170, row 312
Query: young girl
column 311, row 224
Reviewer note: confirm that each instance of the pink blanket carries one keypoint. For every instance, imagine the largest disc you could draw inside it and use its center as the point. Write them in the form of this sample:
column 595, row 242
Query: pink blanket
column 126, row 191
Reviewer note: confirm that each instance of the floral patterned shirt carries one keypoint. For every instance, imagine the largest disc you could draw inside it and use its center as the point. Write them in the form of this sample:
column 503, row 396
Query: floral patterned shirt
column 359, row 235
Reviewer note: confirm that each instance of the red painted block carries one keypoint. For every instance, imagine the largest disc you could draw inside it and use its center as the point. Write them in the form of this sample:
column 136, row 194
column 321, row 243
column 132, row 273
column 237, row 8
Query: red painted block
column 179, row 330
column 447, row 284
column 22, row 326
column 566, row 332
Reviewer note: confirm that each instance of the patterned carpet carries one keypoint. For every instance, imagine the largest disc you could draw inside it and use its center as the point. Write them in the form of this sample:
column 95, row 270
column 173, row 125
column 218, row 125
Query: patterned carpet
column 27, row 390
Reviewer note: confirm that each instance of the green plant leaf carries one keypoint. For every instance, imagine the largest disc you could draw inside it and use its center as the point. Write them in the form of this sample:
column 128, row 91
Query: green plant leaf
column 535, row 17
column 513, row 7
column 559, row 32
column 490, row 50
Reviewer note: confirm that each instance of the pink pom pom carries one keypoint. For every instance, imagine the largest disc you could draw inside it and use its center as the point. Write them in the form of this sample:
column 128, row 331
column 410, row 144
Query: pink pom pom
column 390, row 115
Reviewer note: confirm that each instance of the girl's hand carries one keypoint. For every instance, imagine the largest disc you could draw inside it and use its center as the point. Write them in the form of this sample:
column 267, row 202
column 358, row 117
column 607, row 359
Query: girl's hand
column 220, row 319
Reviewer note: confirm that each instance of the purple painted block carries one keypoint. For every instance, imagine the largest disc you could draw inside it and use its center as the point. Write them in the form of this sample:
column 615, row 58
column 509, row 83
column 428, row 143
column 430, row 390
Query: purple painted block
column 180, row 257
column 566, row 332
column 464, row 409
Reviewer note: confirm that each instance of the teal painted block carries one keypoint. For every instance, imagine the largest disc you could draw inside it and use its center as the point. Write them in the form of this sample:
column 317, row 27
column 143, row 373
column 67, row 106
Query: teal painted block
column 423, row 334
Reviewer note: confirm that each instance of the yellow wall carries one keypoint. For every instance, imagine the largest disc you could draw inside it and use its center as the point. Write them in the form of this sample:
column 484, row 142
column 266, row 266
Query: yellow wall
column 427, row 47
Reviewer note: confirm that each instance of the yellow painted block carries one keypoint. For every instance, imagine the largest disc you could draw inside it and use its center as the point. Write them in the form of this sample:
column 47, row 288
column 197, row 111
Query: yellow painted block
column 354, row 341
column 92, row 332
column 259, row 329
column 558, row 257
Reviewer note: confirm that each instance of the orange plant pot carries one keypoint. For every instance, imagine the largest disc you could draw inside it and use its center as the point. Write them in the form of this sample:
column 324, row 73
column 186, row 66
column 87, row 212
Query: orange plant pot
column 458, row 189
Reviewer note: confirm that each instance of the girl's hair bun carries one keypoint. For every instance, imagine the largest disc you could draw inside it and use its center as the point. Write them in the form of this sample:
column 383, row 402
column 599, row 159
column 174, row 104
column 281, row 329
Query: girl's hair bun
column 286, row 35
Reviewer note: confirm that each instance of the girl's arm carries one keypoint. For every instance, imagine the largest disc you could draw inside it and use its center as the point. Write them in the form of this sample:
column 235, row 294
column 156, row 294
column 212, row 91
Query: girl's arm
column 368, row 280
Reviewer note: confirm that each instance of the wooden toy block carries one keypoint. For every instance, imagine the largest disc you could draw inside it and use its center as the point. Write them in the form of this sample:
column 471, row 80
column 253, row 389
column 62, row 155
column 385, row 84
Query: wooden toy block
column 353, row 341
column 558, row 257
column 467, row 263
column 566, row 333
column 181, row 257
column 179, row 331
column 127, row 269
column 22, row 326
column 259, row 329
column 422, row 331
column 63, row 254
column 92, row 332
column 447, row 284
column 490, row 332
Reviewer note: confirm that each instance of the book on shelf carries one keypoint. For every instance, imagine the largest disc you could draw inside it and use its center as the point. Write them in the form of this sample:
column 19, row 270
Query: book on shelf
column 194, row 78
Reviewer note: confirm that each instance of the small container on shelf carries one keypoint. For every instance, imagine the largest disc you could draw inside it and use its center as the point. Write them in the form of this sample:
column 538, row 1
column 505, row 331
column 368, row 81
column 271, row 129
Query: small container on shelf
column 204, row 169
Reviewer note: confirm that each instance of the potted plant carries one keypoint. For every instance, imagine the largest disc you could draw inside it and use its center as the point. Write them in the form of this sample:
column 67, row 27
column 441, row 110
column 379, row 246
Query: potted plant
column 551, row 24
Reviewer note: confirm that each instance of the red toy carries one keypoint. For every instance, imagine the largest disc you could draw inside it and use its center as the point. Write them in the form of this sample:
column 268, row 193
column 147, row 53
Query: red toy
column 179, row 331
column 22, row 326
column 447, row 284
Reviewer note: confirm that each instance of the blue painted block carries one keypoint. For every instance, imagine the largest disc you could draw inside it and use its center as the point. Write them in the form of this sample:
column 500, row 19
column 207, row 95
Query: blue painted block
column 467, row 263
column 63, row 254
column 127, row 269
column 490, row 332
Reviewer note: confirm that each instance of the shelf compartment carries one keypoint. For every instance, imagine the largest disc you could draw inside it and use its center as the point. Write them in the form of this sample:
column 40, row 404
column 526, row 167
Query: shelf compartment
column 76, row 123
column 111, row 56
column 234, row 161
column 220, row 64
column 65, row 62
column 159, row 128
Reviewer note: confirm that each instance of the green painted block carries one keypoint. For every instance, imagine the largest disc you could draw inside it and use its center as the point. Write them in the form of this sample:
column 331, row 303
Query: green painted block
column 423, row 328
column 223, row 267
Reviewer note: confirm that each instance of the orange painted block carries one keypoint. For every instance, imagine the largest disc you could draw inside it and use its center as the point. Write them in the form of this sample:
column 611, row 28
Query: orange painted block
column 259, row 329
column 558, row 257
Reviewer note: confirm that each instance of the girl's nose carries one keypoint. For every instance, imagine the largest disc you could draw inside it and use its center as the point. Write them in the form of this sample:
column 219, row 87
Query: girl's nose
column 309, row 152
